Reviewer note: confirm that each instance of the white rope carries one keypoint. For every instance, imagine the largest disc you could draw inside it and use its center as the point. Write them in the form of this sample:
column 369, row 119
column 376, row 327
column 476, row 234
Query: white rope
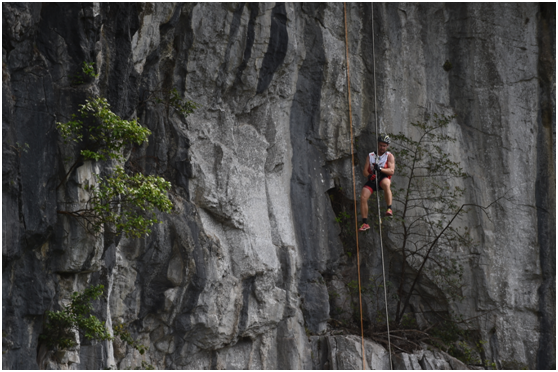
column 354, row 182
column 378, row 194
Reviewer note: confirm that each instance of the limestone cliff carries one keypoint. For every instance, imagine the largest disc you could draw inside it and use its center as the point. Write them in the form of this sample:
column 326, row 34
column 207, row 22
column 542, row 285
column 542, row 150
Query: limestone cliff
column 240, row 274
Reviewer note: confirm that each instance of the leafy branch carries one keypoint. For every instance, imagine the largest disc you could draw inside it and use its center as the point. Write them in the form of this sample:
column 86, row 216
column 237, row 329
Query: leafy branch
column 118, row 198
column 87, row 71
column 121, row 332
column 61, row 325
column 171, row 99
column 108, row 133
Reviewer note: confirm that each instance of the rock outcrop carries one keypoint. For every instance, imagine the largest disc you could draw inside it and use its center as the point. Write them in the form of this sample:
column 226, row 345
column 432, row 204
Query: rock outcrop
column 240, row 274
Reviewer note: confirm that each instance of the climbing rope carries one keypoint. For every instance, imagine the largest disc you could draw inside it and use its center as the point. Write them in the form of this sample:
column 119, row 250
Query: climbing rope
column 354, row 183
column 354, row 188
column 377, row 193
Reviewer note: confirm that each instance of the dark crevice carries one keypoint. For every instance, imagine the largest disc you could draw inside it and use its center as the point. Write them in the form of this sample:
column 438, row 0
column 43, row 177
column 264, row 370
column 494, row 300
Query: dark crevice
column 318, row 243
column 545, row 186
column 221, row 83
column 277, row 48
column 247, row 288
column 250, row 37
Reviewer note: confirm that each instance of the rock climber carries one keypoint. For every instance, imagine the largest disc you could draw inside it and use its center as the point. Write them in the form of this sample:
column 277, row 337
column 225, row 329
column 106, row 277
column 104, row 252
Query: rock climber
column 382, row 166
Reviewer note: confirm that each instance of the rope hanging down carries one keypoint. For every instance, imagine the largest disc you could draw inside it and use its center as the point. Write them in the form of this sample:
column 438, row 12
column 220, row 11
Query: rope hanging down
column 377, row 188
column 354, row 183
column 354, row 188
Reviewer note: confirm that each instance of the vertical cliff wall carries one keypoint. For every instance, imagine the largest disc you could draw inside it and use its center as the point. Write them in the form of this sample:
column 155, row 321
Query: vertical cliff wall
column 238, row 275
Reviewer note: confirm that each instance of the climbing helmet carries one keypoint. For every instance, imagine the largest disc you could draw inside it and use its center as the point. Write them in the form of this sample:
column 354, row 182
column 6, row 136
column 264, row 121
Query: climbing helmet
column 383, row 138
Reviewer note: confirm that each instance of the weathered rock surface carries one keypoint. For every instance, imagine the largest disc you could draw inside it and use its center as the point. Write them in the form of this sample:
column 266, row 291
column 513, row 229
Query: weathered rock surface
column 345, row 352
column 241, row 272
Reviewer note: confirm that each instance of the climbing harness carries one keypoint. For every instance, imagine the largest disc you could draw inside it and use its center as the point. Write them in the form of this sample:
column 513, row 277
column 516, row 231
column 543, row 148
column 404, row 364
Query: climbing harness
column 354, row 188
column 354, row 183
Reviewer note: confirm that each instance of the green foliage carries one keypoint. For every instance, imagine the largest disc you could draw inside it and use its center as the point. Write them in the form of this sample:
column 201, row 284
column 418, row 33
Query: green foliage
column 174, row 100
column 22, row 147
column 87, row 71
column 183, row 106
column 61, row 325
column 344, row 220
column 145, row 365
column 107, row 134
column 119, row 198
column 121, row 332
column 342, row 217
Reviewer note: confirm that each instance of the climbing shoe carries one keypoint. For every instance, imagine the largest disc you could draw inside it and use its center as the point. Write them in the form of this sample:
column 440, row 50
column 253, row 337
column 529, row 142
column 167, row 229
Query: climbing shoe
column 389, row 212
column 364, row 227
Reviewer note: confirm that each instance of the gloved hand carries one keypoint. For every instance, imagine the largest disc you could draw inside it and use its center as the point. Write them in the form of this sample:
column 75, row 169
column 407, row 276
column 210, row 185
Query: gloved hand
column 377, row 168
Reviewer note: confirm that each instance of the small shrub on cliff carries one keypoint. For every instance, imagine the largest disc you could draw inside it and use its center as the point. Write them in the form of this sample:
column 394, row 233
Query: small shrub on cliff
column 171, row 98
column 87, row 71
column 61, row 325
column 175, row 101
column 121, row 332
column 106, row 135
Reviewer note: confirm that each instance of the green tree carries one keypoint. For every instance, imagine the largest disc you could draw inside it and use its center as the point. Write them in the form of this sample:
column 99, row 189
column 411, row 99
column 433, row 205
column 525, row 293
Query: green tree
column 120, row 200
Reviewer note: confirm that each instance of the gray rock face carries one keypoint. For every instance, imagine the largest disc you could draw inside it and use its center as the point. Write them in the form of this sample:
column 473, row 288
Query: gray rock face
column 345, row 352
column 242, row 271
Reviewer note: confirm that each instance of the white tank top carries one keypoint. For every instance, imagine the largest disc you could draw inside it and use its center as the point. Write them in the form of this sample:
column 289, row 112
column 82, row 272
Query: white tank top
column 381, row 160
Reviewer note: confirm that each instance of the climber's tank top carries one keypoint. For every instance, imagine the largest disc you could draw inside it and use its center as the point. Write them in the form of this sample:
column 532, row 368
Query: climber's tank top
column 381, row 160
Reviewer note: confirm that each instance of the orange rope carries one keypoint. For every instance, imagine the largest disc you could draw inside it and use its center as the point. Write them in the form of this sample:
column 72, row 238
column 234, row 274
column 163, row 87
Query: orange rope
column 354, row 183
